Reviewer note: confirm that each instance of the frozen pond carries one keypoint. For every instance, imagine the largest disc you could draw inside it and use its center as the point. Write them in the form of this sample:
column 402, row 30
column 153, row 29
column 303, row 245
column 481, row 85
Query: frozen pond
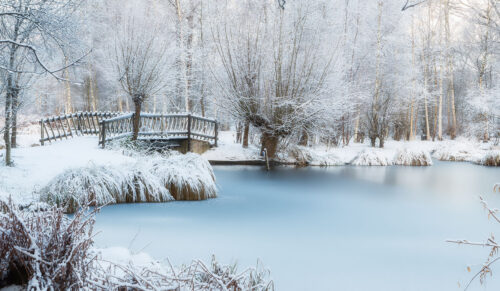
column 340, row 228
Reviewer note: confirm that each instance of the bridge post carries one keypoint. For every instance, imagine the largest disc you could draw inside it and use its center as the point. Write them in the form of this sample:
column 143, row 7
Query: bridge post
column 103, row 134
column 189, row 133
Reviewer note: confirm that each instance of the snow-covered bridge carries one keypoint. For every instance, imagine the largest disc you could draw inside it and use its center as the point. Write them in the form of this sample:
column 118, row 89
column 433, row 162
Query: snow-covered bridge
column 183, row 131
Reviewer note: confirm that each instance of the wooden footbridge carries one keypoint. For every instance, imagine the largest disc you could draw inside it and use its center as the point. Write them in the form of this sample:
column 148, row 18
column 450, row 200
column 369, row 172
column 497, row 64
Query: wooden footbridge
column 184, row 131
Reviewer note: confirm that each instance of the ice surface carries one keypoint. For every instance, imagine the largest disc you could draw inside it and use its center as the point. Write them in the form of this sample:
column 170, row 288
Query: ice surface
column 337, row 228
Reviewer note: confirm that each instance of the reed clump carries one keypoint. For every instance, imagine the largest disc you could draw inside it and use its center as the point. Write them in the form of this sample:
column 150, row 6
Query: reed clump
column 412, row 157
column 492, row 159
column 151, row 179
column 187, row 177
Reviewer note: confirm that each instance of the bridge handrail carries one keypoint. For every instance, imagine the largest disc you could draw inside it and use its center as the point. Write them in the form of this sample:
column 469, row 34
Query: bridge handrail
column 112, row 125
column 167, row 126
column 68, row 125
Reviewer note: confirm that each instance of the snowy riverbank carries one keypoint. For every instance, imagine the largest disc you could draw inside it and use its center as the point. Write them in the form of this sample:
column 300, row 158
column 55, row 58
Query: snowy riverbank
column 361, row 154
column 35, row 166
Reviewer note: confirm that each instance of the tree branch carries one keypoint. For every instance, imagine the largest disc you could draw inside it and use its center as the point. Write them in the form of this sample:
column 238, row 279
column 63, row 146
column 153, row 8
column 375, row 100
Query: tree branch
column 408, row 5
column 39, row 61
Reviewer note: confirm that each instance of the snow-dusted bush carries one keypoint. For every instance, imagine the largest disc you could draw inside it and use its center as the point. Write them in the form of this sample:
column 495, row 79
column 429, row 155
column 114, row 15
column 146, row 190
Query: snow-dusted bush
column 187, row 177
column 304, row 156
column 491, row 158
column 101, row 185
column 371, row 157
column 412, row 157
column 45, row 250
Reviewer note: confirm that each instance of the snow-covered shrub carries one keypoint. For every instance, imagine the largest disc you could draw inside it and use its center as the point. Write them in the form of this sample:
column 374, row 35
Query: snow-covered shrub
column 491, row 158
column 187, row 177
column 304, row 156
column 371, row 157
column 101, row 185
column 412, row 157
column 45, row 250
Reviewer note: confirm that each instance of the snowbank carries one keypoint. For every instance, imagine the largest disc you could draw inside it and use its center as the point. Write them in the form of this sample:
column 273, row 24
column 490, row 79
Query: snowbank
column 228, row 150
column 412, row 157
column 371, row 157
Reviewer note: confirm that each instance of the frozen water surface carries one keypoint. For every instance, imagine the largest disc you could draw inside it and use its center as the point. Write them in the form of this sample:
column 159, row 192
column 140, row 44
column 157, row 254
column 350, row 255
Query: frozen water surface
column 339, row 228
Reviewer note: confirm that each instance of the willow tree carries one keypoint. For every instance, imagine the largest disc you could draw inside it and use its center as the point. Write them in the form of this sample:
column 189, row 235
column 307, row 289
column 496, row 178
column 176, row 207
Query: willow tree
column 273, row 73
column 140, row 63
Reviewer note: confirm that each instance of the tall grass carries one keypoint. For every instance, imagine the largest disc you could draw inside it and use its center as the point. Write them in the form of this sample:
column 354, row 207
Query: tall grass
column 412, row 157
column 100, row 185
column 153, row 178
column 187, row 177
column 492, row 158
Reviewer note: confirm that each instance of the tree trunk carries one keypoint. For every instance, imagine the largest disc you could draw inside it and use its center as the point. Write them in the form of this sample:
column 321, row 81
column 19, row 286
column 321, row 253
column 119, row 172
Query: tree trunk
column 137, row 119
column 304, row 138
column 15, row 104
column 270, row 144
column 8, row 111
column 238, row 132
column 246, row 129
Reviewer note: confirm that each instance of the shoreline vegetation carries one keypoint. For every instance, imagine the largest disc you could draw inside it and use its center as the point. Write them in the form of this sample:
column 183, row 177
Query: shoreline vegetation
column 44, row 249
column 410, row 153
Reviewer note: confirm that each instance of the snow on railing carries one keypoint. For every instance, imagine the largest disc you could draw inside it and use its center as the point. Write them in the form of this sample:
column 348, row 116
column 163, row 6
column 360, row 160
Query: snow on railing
column 172, row 126
column 68, row 125
column 114, row 125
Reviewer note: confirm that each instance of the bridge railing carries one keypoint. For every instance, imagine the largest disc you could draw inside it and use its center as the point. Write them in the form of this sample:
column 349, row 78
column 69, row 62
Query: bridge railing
column 69, row 125
column 113, row 125
column 163, row 126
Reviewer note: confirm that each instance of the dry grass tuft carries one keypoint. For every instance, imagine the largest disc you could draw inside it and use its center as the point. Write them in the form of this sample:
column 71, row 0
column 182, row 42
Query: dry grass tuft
column 412, row 157
column 187, row 177
column 492, row 159
column 99, row 185
column 371, row 157
column 195, row 276
column 152, row 179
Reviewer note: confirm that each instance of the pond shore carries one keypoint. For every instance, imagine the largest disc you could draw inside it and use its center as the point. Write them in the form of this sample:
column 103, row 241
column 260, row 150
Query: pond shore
column 359, row 154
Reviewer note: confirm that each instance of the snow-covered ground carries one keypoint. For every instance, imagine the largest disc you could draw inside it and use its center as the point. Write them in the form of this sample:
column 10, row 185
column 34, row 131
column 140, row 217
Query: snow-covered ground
column 45, row 169
column 228, row 150
column 34, row 167
column 359, row 154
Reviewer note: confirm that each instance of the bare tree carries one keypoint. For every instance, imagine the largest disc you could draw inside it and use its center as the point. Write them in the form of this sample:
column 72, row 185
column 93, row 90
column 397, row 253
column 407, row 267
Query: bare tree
column 31, row 33
column 140, row 64
column 276, row 87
